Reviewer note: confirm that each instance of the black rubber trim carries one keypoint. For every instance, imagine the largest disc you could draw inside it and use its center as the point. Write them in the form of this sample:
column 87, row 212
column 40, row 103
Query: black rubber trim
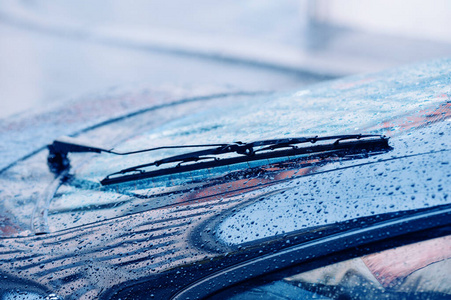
column 318, row 248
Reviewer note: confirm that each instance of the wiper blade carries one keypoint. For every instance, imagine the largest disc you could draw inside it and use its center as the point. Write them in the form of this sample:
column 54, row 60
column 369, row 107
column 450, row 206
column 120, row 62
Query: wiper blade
column 241, row 148
column 339, row 145
column 264, row 149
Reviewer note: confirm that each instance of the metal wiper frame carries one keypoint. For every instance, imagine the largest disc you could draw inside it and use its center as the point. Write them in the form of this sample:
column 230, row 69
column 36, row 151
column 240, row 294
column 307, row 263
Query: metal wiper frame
column 265, row 149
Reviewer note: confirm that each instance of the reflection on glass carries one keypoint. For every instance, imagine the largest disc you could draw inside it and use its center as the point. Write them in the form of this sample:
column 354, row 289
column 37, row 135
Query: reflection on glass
column 416, row 271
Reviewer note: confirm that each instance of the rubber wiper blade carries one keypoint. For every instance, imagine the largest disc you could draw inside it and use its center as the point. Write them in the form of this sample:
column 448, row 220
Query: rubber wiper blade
column 264, row 149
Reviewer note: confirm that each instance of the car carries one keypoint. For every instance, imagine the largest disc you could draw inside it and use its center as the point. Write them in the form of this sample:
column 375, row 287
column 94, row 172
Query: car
column 337, row 190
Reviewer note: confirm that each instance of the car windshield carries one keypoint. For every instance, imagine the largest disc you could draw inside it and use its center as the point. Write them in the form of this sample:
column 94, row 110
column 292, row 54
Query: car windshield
column 268, row 117
column 361, row 103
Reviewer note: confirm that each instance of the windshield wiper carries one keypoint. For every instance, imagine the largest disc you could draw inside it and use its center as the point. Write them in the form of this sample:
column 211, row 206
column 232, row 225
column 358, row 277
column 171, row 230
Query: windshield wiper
column 334, row 145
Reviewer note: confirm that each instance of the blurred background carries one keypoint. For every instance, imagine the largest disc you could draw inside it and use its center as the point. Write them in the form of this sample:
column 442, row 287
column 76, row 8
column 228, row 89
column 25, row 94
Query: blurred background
column 56, row 50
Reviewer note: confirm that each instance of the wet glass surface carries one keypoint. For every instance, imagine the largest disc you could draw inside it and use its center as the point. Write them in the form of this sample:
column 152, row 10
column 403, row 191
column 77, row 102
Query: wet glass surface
column 417, row 271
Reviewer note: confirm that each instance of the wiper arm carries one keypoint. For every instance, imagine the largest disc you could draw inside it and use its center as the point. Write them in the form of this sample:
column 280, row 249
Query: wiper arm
column 58, row 150
column 338, row 145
